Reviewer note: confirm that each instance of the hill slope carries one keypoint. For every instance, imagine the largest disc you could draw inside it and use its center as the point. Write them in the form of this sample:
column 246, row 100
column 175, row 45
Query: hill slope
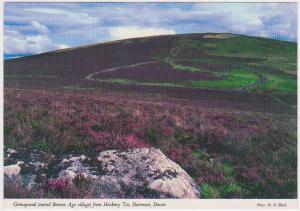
column 225, row 67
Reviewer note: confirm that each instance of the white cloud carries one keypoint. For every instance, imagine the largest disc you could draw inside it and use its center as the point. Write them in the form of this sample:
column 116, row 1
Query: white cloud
column 33, row 27
column 125, row 32
column 270, row 20
column 62, row 16
column 16, row 43
column 29, row 39
column 39, row 27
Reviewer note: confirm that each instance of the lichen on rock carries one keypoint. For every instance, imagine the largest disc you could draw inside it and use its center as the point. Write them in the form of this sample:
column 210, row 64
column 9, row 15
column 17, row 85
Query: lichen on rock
column 132, row 173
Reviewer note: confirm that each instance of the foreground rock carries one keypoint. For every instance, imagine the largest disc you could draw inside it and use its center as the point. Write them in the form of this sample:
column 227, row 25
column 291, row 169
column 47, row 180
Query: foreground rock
column 134, row 173
column 145, row 172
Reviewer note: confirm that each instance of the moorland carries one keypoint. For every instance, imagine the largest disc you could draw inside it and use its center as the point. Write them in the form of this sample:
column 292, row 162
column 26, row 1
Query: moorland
column 222, row 106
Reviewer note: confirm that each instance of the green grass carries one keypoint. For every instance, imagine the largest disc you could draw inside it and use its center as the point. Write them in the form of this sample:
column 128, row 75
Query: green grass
column 287, row 65
column 244, row 46
column 224, row 190
column 254, row 47
column 118, row 80
column 279, row 54
column 231, row 189
column 228, row 169
column 197, row 155
column 209, row 191
column 235, row 79
column 280, row 84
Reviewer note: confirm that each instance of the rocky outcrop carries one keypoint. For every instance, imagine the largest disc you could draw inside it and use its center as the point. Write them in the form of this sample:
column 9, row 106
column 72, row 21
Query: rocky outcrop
column 134, row 173
column 147, row 172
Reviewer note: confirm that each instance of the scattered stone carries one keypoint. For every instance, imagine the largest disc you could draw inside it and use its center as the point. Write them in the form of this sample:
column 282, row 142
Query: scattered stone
column 82, row 157
column 13, row 170
column 64, row 161
column 12, row 151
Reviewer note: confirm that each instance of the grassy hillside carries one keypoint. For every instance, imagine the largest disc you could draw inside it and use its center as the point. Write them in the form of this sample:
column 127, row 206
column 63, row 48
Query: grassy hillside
column 192, row 61
column 274, row 60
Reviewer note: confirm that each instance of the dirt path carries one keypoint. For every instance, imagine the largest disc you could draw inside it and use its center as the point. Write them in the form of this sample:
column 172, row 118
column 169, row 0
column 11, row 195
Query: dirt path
column 262, row 79
column 91, row 76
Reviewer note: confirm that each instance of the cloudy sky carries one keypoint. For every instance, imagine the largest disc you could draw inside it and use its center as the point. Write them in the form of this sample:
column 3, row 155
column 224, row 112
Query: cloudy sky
column 31, row 28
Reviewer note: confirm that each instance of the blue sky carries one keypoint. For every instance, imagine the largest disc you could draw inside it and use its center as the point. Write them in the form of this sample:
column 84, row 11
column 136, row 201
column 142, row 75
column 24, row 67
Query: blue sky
column 31, row 28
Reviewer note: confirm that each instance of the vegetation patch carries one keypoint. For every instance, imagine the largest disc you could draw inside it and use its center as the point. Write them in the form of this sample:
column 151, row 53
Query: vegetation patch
column 118, row 80
column 280, row 84
column 218, row 149
column 235, row 79
column 209, row 192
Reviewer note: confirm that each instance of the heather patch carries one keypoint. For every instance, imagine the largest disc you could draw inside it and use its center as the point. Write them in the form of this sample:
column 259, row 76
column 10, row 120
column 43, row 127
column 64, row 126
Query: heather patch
column 229, row 154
